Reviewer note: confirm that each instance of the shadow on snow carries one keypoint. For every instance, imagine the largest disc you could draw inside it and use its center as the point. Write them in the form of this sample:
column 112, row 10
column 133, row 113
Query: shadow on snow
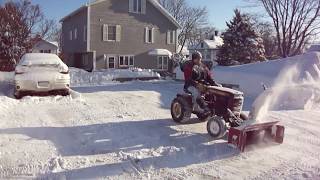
column 125, row 137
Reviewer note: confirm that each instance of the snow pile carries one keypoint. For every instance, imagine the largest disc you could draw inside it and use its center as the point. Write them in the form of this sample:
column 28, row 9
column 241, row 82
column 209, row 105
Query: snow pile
column 291, row 91
column 80, row 77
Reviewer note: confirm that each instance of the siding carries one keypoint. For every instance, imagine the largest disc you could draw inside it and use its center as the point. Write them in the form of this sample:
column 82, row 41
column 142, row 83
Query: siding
column 78, row 21
column 116, row 12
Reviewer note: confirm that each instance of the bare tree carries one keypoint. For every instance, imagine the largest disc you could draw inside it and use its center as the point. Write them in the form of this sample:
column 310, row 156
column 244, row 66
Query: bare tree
column 190, row 18
column 22, row 24
column 295, row 22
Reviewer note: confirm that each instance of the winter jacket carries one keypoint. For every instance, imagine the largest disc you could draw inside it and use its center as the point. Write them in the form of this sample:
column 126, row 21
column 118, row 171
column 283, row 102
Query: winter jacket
column 190, row 79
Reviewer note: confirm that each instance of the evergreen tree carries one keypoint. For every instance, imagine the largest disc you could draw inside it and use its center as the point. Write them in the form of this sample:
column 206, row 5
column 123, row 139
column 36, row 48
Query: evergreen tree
column 242, row 43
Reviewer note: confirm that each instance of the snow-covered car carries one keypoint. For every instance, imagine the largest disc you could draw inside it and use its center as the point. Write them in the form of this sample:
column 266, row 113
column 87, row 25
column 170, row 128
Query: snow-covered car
column 40, row 73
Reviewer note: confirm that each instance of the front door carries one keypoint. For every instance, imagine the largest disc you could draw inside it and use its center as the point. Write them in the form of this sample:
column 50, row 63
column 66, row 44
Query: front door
column 111, row 62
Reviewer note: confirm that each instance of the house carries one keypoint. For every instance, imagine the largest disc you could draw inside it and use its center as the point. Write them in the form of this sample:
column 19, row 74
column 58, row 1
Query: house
column 313, row 48
column 209, row 48
column 44, row 46
column 119, row 34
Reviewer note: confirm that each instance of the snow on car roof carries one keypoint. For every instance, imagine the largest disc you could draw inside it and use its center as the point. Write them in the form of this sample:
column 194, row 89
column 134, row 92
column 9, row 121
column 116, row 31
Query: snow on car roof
column 40, row 58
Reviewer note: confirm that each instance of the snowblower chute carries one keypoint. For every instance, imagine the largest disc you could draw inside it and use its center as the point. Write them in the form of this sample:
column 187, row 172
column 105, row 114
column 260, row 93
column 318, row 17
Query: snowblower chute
column 268, row 132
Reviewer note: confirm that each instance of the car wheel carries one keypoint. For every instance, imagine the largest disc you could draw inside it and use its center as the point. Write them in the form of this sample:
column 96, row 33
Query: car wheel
column 180, row 110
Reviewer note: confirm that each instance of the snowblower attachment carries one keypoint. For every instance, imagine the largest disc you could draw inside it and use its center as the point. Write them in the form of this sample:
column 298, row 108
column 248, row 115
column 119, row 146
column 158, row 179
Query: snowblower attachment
column 242, row 136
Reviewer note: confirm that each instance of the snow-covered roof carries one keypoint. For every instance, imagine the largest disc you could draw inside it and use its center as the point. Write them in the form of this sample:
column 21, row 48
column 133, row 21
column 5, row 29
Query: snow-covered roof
column 155, row 3
column 160, row 52
column 53, row 43
column 209, row 44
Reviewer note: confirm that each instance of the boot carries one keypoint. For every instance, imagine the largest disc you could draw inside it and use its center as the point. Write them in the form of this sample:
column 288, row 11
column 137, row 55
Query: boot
column 204, row 106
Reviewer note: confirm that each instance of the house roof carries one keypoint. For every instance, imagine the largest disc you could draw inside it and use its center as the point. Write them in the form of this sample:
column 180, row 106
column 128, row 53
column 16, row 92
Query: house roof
column 155, row 3
column 209, row 44
column 54, row 43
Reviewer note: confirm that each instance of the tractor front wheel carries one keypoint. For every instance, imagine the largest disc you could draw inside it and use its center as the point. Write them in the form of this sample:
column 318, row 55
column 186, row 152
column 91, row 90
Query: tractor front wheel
column 217, row 127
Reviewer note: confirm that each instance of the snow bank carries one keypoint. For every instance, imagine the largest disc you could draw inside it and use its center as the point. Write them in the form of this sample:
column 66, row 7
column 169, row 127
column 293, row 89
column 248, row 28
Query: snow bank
column 80, row 77
column 252, row 77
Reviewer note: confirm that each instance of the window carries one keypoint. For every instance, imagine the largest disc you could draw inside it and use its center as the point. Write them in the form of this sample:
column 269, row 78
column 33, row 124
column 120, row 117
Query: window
column 131, row 61
column 45, row 51
column 149, row 32
column 208, row 55
column 70, row 35
column 75, row 33
column 111, row 32
column 163, row 62
column 137, row 6
column 111, row 62
column 202, row 45
column 85, row 33
column 171, row 38
column 126, row 61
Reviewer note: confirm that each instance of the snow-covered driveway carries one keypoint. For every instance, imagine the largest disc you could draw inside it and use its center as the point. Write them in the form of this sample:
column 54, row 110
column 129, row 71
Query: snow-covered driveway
column 125, row 131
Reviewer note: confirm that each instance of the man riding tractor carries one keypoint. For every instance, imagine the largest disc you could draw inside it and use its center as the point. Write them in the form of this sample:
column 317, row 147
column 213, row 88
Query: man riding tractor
column 196, row 72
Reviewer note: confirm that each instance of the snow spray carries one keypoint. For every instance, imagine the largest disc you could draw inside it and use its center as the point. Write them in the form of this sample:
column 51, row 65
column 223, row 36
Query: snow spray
column 292, row 89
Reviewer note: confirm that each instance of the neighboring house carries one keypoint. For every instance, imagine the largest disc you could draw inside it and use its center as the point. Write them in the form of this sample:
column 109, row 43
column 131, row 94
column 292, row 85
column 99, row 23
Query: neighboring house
column 209, row 48
column 44, row 46
column 313, row 48
column 119, row 34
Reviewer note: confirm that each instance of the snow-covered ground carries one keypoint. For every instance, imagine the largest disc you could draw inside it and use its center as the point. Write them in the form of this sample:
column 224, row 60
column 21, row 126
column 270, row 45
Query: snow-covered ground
column 125, row 131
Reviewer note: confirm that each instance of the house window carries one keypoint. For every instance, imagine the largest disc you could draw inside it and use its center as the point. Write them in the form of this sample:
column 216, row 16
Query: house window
column 202, row 45
column 171, row 37
column 111, row 32
column 85, row 33
column 75, row 33
column 70, row 35
column 131, row 61
column 149, row 32
column 111, row 62
column 126, row 61
column 163, row 62
column 208, row 55
column 137, row 6
column 45, row 51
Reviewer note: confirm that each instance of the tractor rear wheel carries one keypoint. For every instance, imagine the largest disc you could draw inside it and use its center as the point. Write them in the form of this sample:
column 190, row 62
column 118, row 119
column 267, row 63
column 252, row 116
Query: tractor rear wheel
column 180, row 110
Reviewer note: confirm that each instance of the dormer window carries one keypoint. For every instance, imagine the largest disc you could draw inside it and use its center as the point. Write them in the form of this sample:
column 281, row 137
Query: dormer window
column 137, row 6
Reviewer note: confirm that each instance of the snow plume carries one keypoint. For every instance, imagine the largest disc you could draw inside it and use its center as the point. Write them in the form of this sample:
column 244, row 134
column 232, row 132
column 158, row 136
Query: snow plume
column 293, row 89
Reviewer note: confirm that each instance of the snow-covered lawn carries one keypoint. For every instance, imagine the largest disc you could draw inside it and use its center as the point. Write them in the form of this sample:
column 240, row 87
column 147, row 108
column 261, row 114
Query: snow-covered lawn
column 125, row 131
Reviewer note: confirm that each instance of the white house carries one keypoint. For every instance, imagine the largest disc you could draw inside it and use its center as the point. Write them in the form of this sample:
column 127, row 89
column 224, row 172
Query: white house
column 208, row 48
column 44, row 46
